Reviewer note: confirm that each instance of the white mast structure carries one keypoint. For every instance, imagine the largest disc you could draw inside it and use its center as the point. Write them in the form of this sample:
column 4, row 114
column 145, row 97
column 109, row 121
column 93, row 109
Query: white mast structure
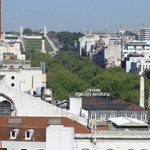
column 142, row 91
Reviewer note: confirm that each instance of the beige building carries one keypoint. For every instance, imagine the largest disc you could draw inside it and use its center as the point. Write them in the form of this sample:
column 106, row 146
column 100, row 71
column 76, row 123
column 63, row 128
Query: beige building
column 23, row 79
column 10, row 48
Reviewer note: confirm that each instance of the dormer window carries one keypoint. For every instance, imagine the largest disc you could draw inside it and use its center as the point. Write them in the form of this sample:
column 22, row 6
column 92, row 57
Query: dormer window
column 143, row 117
column 14, row 133
column 93, row 116
column 28, row 134
column 123, row 115
column 134, row 115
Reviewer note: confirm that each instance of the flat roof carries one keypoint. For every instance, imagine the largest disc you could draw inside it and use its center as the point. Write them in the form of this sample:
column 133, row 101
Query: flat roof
column 126, row 121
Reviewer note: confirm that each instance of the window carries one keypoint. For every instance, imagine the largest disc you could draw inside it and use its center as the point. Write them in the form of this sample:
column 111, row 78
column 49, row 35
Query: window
column 102, row 116
column 5, row 108
column 134, row 115
column 14, row 133
column 12, row 77
column 93, row 116
column 28, row 134
column 112, row 115
column 123, row 115
column 12, row 84
column 143, row 117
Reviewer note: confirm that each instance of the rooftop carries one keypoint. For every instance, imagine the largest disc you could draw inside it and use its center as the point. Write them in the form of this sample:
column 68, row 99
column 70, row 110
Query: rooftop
column 125, row 121
column 38, row 124
column 98, row 103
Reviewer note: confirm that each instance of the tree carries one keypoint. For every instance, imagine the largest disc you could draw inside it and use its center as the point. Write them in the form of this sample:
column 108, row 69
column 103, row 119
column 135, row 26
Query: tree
column 68, row 73
column 27, row 32
column 66, row 38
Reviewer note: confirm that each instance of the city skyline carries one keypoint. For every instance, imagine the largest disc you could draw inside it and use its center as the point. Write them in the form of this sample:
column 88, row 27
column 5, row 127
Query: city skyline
column 69, row 15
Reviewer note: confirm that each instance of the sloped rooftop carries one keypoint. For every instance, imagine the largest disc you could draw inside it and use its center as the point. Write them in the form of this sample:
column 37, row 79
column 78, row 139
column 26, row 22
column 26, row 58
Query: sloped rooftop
column 38, row 124
column 99, row 103
column 125, row 121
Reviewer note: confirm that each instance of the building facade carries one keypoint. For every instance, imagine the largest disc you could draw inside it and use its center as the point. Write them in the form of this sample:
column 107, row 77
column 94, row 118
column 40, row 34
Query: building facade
column 100, row 46
column 145, row 34
column 44, row 133
column 100, row 109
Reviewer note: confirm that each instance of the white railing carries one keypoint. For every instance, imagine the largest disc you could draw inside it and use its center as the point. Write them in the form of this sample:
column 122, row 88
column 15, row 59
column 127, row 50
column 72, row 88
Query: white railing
column 116, row 134
column 18, row 69
column 52, row 44
column 32, row 37
column 23, row 45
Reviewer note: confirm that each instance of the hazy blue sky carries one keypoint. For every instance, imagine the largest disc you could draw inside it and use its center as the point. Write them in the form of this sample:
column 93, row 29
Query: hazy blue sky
column 74, row 15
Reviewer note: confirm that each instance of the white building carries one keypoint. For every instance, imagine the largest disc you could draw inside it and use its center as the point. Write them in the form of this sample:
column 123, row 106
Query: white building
column 10, row 48
column 135, row 56
column 137, row 65
column 61, row 133
column 100, row 46
column 17, row 72
column 143, row 66
column 136, row 48
column 31, row 123
column 39, row 133
column 13, row 102
column 85, row 44
column 145, row 34
column 23, row 79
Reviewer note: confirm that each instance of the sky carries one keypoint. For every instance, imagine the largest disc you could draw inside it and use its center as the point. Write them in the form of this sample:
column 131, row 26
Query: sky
column 75, row 15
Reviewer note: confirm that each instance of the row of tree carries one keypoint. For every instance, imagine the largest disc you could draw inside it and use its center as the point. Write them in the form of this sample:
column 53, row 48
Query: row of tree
column 68, row 73
column 65, row 38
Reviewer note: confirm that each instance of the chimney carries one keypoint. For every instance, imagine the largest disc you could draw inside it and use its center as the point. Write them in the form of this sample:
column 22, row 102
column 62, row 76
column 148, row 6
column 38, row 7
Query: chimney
column 75, row 105
column 142, row 91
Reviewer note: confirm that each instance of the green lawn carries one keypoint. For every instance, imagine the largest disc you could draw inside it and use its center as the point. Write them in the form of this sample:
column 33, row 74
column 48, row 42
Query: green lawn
column 35, row 45
column 48, row 46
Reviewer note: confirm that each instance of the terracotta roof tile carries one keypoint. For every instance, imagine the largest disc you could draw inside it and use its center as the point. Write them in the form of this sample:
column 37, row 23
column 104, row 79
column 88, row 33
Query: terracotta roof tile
column 135, row 108
column 38, row 135
column 98, row 103
column 38, row 124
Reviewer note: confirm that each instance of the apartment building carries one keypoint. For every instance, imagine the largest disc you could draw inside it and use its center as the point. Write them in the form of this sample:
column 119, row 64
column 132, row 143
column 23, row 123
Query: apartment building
column 101, row 47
